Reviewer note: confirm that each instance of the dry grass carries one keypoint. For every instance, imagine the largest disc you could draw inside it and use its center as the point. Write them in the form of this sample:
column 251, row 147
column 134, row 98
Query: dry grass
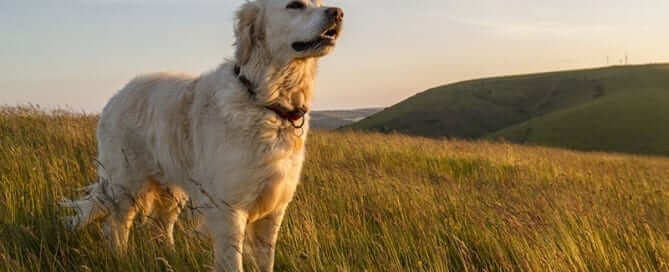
column 367, row 202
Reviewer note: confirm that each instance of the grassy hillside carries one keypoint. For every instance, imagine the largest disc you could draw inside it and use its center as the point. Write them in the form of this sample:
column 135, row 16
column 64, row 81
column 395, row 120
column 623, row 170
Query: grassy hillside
column 619, row 109
column 367, row 202
column 633, row 122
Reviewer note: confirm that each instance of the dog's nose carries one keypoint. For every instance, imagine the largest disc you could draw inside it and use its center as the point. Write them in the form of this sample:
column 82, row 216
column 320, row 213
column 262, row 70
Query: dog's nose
column 335, row 13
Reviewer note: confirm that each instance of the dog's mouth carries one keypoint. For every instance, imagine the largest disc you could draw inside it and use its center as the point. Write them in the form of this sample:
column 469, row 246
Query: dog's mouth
column 327, row 38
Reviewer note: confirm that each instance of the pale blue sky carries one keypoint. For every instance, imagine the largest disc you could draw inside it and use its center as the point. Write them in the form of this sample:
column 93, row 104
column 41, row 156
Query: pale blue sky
column 79, row 52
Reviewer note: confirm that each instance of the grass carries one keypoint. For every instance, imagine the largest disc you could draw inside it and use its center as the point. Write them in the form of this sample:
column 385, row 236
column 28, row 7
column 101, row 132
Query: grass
column 619, row 109
column 367, row 202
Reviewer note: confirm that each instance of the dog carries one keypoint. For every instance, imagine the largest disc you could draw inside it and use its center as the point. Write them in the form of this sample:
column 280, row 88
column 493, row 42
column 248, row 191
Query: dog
column 231, row 141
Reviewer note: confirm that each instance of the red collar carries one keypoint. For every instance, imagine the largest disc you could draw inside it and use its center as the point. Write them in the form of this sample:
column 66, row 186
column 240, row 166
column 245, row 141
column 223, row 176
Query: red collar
column 292, row 116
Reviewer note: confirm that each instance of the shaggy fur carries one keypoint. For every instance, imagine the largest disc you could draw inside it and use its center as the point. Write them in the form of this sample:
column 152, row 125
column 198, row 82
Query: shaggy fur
column 165, row 139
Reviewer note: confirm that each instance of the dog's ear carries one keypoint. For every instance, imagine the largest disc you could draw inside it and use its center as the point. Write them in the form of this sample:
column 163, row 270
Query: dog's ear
column 248, row 30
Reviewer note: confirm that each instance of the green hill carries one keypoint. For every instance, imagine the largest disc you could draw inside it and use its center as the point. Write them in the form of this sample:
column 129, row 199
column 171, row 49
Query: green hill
column 621, row 108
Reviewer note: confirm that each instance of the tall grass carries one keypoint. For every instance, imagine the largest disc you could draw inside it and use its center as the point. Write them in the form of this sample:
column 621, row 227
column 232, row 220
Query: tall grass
column 367, row 202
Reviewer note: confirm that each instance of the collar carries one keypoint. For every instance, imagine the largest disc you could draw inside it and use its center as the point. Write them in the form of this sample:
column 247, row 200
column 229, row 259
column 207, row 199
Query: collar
column 291, row 116
column 245, row 81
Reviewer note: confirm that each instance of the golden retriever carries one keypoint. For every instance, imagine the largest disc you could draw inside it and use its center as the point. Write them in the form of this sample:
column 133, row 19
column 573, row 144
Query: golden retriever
column 231, row 140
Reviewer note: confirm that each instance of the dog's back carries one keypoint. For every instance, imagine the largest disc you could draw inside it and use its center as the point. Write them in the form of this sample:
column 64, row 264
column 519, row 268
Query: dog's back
column 149, row 119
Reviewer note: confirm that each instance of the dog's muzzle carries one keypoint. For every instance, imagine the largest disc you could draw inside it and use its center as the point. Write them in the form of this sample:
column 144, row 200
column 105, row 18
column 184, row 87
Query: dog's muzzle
column 330, row 33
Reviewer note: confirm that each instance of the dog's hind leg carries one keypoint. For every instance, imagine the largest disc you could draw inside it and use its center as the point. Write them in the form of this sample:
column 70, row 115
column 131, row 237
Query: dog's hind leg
column 125, row 202
column 117, row 203
column 169, row 202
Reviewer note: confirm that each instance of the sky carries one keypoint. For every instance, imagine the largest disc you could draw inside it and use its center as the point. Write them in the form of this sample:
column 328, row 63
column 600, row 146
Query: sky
column 77, row 53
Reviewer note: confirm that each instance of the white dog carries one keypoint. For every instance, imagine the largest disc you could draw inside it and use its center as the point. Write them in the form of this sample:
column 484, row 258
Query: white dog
column 231, row 140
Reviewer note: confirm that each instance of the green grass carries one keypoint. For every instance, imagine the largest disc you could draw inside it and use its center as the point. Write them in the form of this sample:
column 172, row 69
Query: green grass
column 367, row 202
column 619, row 109
column 627, row 122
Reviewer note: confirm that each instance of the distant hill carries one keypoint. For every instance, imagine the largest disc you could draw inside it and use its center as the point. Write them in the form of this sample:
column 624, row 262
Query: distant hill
column 620, row 108
column 333, row 119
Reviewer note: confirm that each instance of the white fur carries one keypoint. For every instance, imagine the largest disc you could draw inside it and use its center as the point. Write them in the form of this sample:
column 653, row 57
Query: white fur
column 166, row 138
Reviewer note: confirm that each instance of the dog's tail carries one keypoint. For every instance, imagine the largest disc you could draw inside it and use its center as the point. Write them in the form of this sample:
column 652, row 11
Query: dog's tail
column 87, row 209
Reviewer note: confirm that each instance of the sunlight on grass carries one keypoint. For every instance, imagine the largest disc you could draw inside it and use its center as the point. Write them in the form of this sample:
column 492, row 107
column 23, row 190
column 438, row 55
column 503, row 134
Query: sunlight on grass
column 367, row 202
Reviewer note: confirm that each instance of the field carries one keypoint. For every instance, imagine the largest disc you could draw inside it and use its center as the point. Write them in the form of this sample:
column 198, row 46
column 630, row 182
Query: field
column 367, row 202
column 618, row 109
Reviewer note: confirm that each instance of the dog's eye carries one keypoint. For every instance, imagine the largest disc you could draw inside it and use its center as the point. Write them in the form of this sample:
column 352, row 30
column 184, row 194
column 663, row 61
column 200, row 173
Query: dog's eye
column 296, row 5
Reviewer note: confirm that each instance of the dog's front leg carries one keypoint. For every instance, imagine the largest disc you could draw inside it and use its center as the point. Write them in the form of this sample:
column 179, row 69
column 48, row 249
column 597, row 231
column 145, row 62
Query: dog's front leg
column 227, row 227
column 261, row 237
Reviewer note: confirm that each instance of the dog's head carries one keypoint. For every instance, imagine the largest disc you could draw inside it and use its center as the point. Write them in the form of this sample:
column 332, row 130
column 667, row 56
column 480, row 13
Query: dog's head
column 286, row 29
